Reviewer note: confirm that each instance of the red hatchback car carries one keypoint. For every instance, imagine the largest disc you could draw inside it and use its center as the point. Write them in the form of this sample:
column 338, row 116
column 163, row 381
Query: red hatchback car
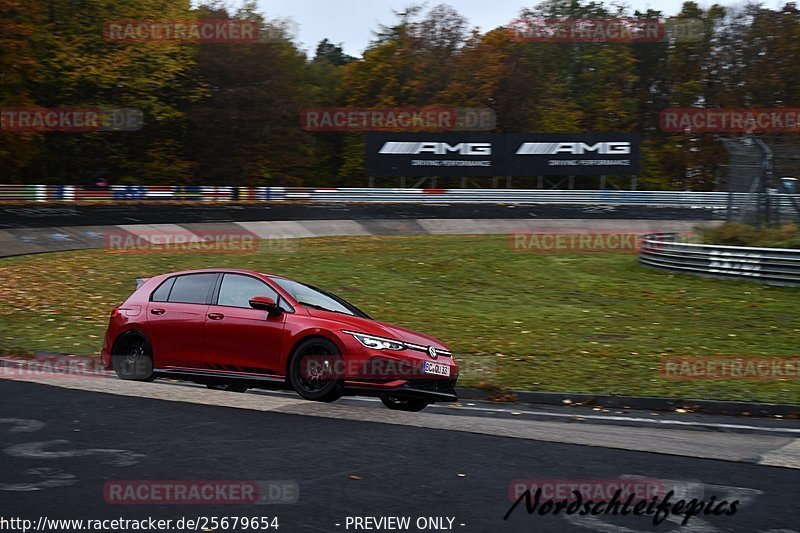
column 238, row 329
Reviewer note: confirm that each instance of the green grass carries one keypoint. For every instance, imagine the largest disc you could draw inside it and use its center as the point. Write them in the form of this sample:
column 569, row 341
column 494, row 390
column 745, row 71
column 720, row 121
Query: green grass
column 595, row 323
column 736, row 234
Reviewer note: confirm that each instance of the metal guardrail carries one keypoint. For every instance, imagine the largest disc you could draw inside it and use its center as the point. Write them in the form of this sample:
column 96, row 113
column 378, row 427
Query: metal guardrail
column 519, row 196
column 183, row 193
column 774, row 266
column 700, row 200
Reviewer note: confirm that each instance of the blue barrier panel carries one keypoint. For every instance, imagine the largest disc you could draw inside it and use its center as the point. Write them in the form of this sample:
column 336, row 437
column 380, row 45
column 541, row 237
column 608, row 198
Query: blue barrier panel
column 128, row 192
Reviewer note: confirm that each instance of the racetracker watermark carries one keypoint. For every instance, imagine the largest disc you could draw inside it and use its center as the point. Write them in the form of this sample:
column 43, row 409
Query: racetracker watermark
column 343, row 119
column 386, row 368
column 377, row 368
column 53, row 366
column 197, row 241
column 574, row 242
column 35, row 119
column 730, row 120
column 628, row 495
column 197, row 523
column 182, row 31
column 200, row 492
column 605, row 30
column 730, row 368
column 641, row 489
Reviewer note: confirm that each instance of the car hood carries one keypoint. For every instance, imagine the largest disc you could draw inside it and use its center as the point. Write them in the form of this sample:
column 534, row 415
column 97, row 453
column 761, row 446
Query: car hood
column 382, row 329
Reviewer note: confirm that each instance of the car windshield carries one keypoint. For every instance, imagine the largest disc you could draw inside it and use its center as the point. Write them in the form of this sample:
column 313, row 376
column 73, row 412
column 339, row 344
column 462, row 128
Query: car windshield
column 309, row 296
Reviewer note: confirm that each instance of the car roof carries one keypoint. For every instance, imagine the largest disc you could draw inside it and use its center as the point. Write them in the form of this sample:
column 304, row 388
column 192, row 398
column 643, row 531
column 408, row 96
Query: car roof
column 224, row 271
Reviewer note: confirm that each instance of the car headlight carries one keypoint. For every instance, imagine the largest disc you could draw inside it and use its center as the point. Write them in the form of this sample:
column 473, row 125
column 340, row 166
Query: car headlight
column 377, row 343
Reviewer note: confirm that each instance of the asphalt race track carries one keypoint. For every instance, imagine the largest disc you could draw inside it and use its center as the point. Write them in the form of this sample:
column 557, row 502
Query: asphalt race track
column 62, row 441
column 37, row 216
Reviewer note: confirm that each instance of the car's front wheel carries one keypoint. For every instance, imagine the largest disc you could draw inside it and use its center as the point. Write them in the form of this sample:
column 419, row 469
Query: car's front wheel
column 404, row 404
column 132, row 358
column 315, row 372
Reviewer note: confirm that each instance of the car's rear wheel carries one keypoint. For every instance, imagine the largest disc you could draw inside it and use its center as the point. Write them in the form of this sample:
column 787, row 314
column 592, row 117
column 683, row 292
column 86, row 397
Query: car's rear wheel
column 404, row 404
column 132, row 358
column 230, row 387
column 315, row 372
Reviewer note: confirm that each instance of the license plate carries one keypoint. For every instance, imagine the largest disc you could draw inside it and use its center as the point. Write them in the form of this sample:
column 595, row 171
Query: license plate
column 436, row 368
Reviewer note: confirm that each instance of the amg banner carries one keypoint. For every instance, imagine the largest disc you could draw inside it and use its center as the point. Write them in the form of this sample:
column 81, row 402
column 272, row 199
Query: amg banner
column 433, row 154
column 572, row 154
column 515, row 154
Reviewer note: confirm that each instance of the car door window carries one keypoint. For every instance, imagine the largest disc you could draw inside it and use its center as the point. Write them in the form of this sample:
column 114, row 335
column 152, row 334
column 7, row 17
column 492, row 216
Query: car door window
column 236, row 290
column 192, row 288
column 161, row 294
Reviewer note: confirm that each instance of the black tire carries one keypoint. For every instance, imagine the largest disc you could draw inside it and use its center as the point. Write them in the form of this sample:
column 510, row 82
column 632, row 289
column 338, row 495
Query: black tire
column 132, row 358
column 314, row 371
column 230, row 387
column 404, row 404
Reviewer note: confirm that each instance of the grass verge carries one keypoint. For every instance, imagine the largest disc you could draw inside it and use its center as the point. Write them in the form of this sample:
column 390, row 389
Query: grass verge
column 736, row 234
column 592, row 323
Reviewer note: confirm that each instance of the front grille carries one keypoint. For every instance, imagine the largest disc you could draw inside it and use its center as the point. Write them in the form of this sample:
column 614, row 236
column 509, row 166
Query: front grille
column 446, row 386
column 420, row 348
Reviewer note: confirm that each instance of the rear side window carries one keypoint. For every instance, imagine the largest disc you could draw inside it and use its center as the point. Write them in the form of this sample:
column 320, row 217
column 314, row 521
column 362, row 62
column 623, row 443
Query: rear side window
column 192, row 288
column 161, row 294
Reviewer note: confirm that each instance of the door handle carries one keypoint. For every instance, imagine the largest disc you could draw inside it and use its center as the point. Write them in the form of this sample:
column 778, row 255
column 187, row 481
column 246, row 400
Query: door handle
column 216, row 316
column 157, row 311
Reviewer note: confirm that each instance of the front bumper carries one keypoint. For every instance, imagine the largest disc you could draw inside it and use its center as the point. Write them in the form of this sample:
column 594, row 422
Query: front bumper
column 396, row 373
column 436, row 390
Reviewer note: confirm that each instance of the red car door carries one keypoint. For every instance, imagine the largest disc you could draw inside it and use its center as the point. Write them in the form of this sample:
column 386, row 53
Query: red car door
column 176, row 314
column 238, row 338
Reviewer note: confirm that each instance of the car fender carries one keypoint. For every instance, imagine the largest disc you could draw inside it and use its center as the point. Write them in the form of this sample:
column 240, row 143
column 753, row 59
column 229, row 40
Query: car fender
column 295, row 338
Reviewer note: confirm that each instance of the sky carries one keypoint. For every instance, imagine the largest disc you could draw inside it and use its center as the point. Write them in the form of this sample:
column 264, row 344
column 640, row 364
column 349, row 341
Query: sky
column 351, row 22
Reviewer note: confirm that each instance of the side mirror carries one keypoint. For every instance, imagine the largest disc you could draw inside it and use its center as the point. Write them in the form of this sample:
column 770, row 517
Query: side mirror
column 267, row 304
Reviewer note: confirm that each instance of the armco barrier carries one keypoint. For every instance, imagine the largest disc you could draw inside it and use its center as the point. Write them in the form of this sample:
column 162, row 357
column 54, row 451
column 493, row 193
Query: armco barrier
column 197, row 193
column 774, row 266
